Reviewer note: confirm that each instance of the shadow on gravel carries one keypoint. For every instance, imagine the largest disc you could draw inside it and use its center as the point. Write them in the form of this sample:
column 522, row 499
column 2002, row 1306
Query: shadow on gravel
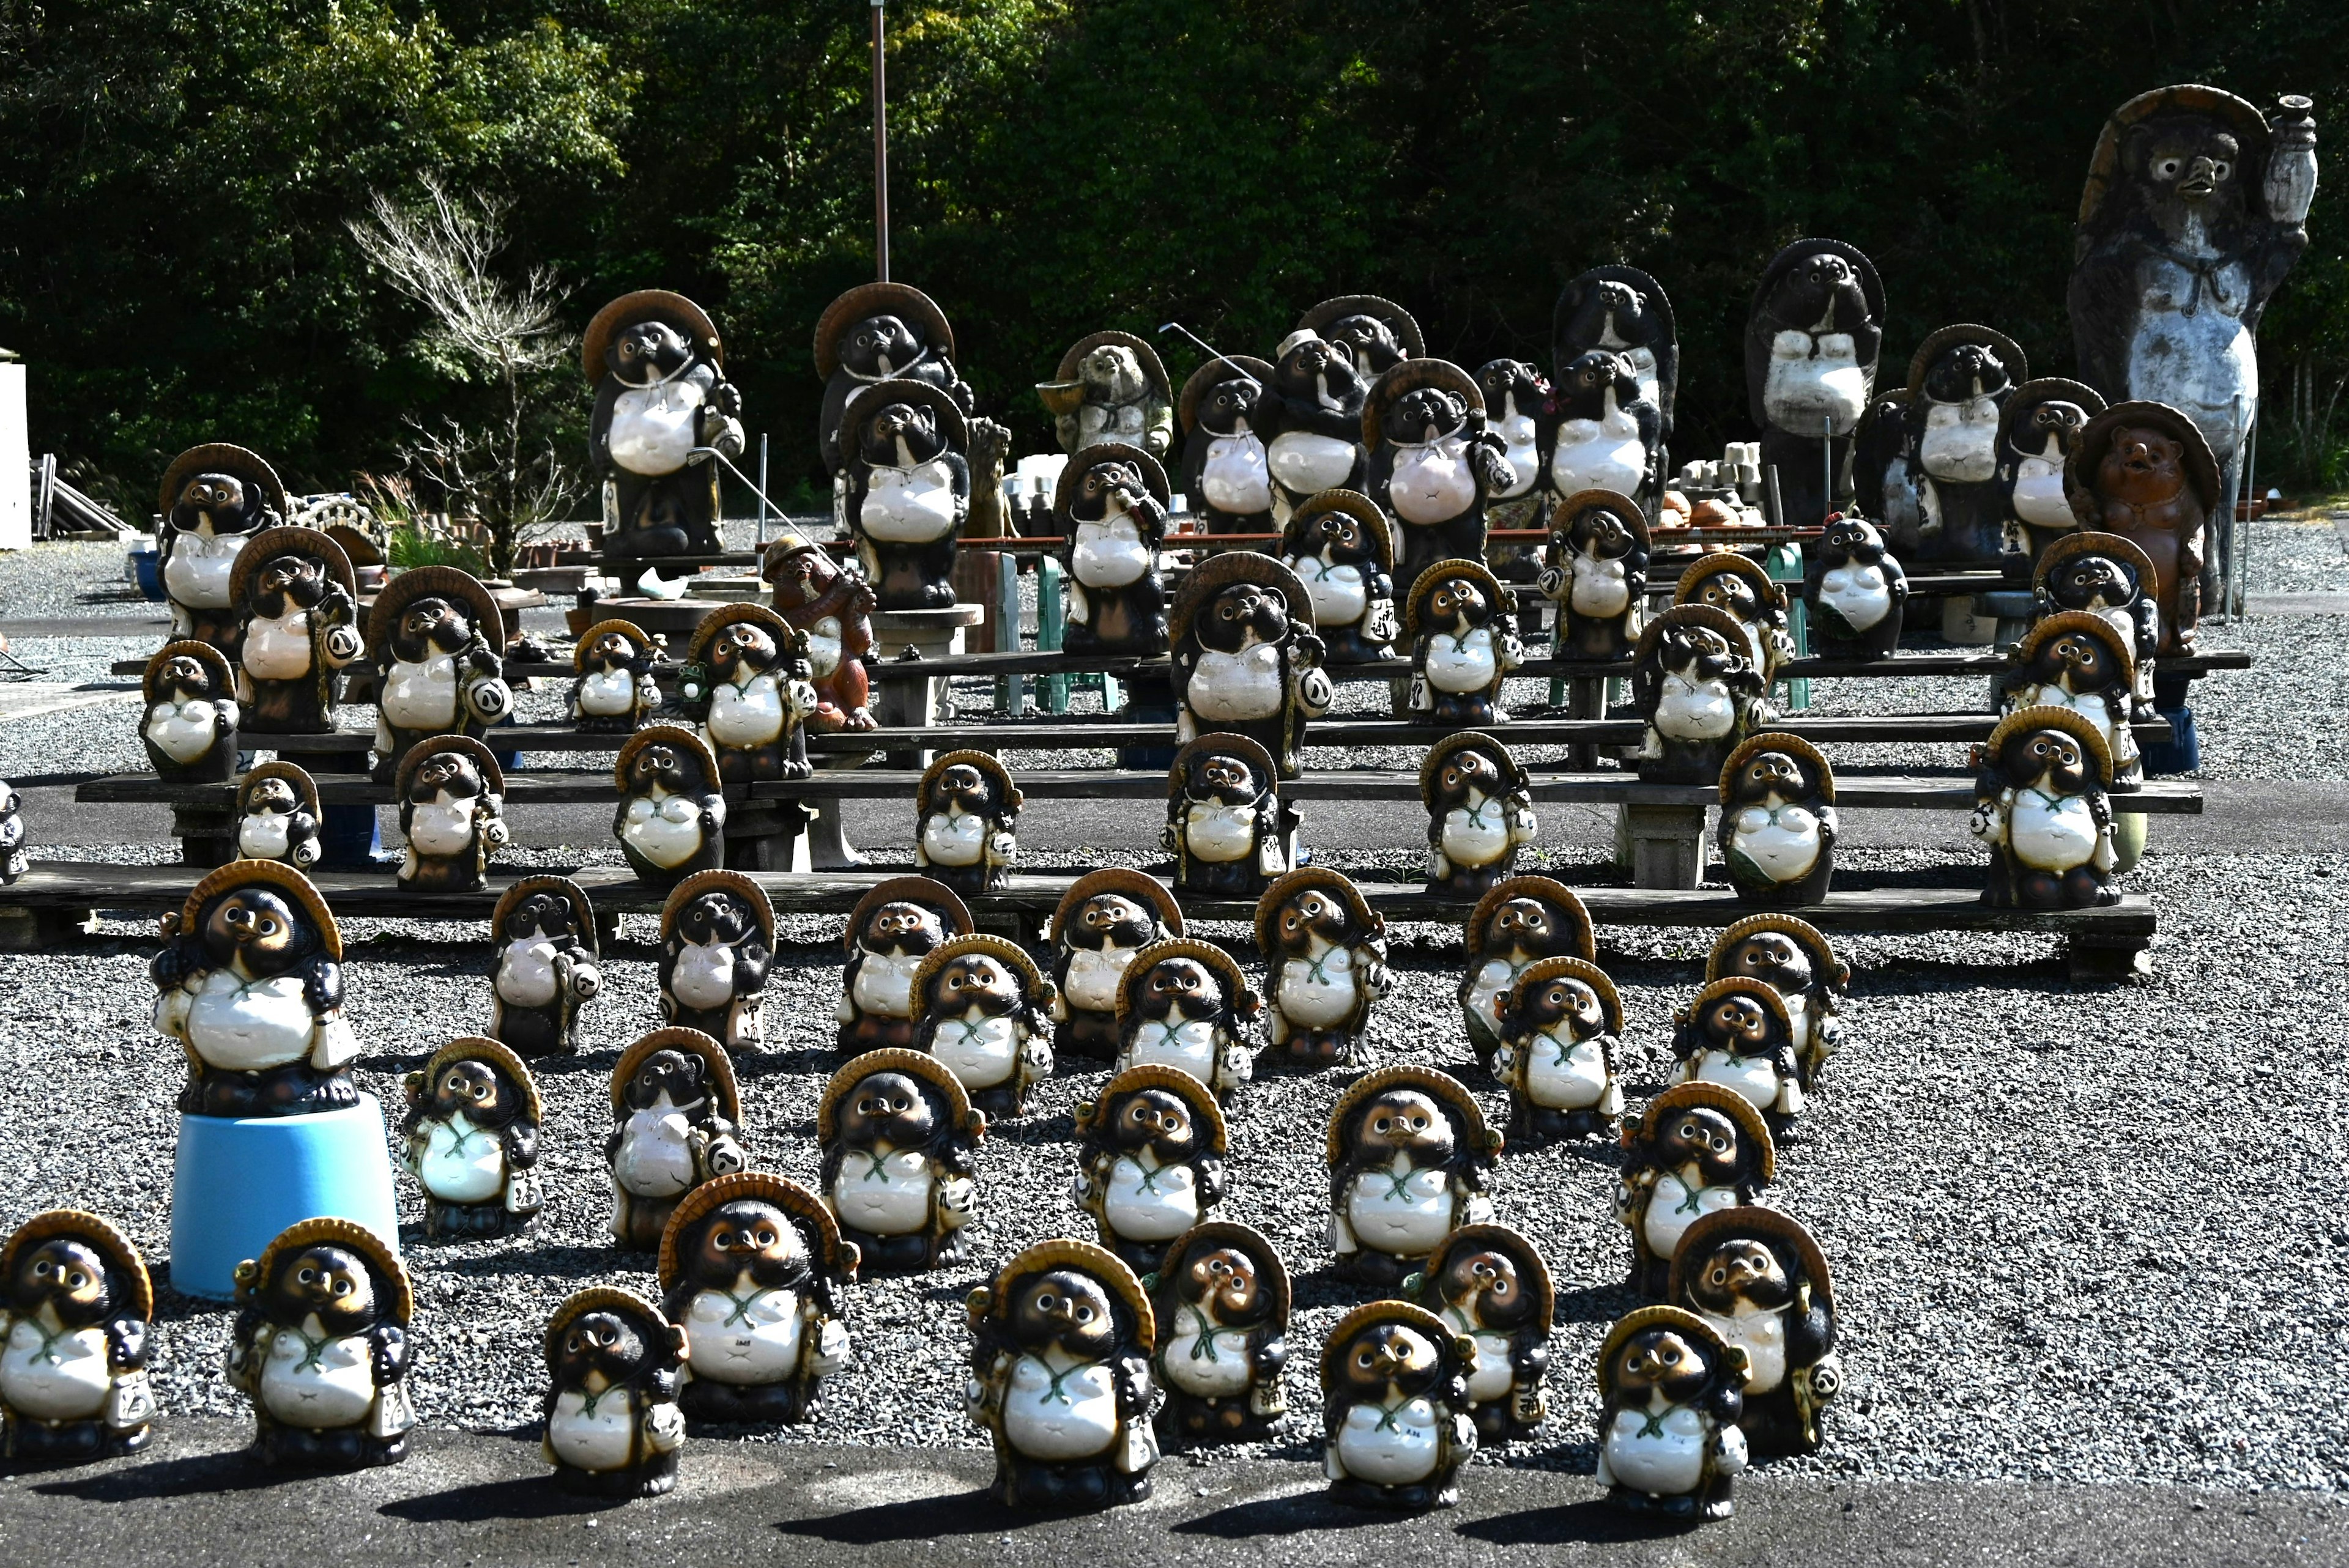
column 524, row 1497
column 920, row 1519
column 1596, row 1302
column 1286, row 1515
column 235, row 1470
column 1591, row 1519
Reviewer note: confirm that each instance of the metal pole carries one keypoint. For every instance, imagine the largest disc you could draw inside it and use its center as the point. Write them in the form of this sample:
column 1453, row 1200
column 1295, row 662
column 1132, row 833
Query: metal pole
column 880, row 147
column 762, row 491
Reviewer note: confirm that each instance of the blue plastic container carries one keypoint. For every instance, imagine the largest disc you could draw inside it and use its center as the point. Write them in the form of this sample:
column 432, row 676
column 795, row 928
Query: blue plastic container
column 239, row 1180
column 149, row 566
column 350, row 837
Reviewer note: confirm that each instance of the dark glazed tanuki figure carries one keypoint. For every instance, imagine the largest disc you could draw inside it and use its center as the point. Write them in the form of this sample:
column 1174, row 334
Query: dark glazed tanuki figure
column 662, row 406
column 1060, row 1378
column 890, row 932
column 966, row 821
column 1325, row 958
column 278, row 815
column 1606, row 434
column 1490, row 1287
column 1338, row 545
column 1739, row 1035
column 982, row 1009
column 2143, row 471
column 1111, row 506
column 1855, row 591
column 1373, row 335
column 1740, row 589
column 215, row 497
column 614, row 690
column 452, row 796
column 834, row 609
column 297, row 609
column 2037, row 429
column 2041, row 808
column 614, row 1370
column 2104, row 575
column 1698, row 1146
column 1794, row 958
column 717, row 946
column 1226, row 471
column 1462, row 629
column 1625, row 312
column 899, row 1160
column 251, row 982
column 1310, row 419
column 2078, row 659
column 1758, row 1280
column 1960, row 382
column 73, row 1342
column 1778, row 826
column 1111, row 388
column 1432, row 462
column 908, row 489
column 1227, row 825
column 1694, row 681
column 1519, row 410
column 1518, row 921
column 1670, row 1400
column 1409, row 1156
column 1101, row 922
column 320, row 1347
column 879, row 331
column 1562, row 1029
column 1596, row 572
column 671, row 818
column 546, row 968
column 190, row 728
column 1480, row 812
column 1812, row 336
column 437, row 639
column 470, row 1140
column 746, row 679
column 1184, row 1004
column 753, row 1269
column 1221, row 1299
column 677, row 1122
column 1395, row 1418
column 1246, row 660
column 1150, row 1161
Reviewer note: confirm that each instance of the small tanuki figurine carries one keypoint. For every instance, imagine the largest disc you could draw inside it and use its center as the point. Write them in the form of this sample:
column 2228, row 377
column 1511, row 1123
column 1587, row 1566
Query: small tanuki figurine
column 671, row 820
column 1561, row 1042
column 2077, row 659
column 2103, row 575
column 2041, row 808
column 899, row 1143
column 1432, row 462
column 908, row 489
column 2143, row 471
column 320, row 1347
column 1221, row 1298
column 1608, row 435
column 297, row 605
column 1960, row 382
column 547, row 966
column 1373, row 334
column 1480, row 811
column 890, row 932
column 613, row 692
column 1596, row 571
column 1740, row 589
column 1409, row 1155
column 1060, row 1378
column 1670, row 1400
column 1246, row 660
column 1698, row 1146
column 1111, row 387
column 1226, row 471
column 14, row 859
column 470, row 1140
column 1778, row 826
column 437, row 638
column 1624, row 311
column 753, row 1269
column 1101, row 922
column 966, row 821
column 981, row 1007
column 1184, row 1004
column 1695, row 682
column 278, row 815
column 1325, row 955
column 215, row 497
column 73, row 1342
column 876, row 332
column 1226, row 826
column 1462, row 624
column 1812, row 338
column 451, row 795
column 677, row 1122
column 1761, row 1282
column 1518, row 922
column 614, row 1370
column 1150, row 1161
column 2037, row 429
column 1339, row 547
column 1490, row 1287
column 1111, row 505
column 189, row 730
column 746, row 678
column 662, row 404
column 251, row 986
column 1739, row 1035
column 834, row 609
column 718, row 944
column 1517, row 406
column 1794, row 958
column 1310, row 417
column 1395, row 1419
column 1855, row 591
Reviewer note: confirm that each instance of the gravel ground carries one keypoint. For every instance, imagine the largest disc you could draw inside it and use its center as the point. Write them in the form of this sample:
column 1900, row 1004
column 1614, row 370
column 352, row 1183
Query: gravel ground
column 2081, row 1236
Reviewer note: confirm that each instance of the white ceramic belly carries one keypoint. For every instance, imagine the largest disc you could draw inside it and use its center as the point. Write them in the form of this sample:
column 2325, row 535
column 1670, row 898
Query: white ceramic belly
column 749, row 715
column 2203, row 364
column 1073, row 1418
column 1233, row 686
column 264, row 835
column 1476, row 838
column 1694, row 712
column 2038, row 494
column 885, row 985
column 703, row 976
column 909, row 506
column 421, row 694
column 183, row 733
column 1433, row 483
column 1669, row 1213
column 1516, row 433
column 1590, row 455
column 1858, row 592
column 245, row 1028
column 463, row 1163
column 526, row 972
column 1601, row 590
column 441, row 827
column 1189, row 1045
column 1319, row 1000
column 1305, row 461
column 1797, row 392
column 65, row 1380
column 603, row 1440
column 1752, row 1077
column 1091, row 982
column 607, row 694
column 666, row 833
column 654, row 1159
column 337, row 1390
column 1337, row 592
column 653, row 428
column 1390, row 1450
column 1205, row 1361
column 1109, row 554
column 1562, row 1075
column 1787, row 849
column 1666, row 1463
column 1235, row 476
column 1407, row 1223
column 1462, row 664
column 755, row 1341
column 1961, row 441
column 890, row 1201
column 198, row 573
column 979, row 1052
column 277, row 650
column 1221, row 833
column 1153, row 1206
column 1491, row 987
column 2052, row 837
column 1491, row 1376
column 954, row 839
column 1763, row 1337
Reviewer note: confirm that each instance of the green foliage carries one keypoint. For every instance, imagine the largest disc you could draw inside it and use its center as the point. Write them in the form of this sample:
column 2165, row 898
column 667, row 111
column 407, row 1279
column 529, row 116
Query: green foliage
column 175, row 179
column 420, row 544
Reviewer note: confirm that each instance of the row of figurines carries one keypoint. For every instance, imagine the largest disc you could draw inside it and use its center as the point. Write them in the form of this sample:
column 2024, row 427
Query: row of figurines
column 1071, row 1351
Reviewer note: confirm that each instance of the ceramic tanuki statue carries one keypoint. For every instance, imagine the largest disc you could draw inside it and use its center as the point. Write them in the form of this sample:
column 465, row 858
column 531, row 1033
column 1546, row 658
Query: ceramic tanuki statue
column 437, row 639
column 1960, row 382
column 1101, row 922
column 614, row 1368
column 1395, row 1418
column 1519, row 921
column 73, row 1342
column 1060, row 1378
column 1697, row 1147
column 909, row 494
column 2142, row 470
column 297, row 605
column 1184, row 1004
column 451, row 795
column 1338, row 545
column 2041, row 808
column 1606, row 434
column 1111, row 387
column 2104, row 575
column 2037, row 429
column 1226, row 470
column 320, row 1347
column 753, row 1269
column 547, row 966
column 1695, row 682
column 277, row 816
column 1480, row 812
column 215, row 497
column 981, row 1007
column 1795, row 959
column 1226, row 826
column 1758, row 1280
column 671, row 818
column 1310, row 419
column 1370, row 333
column 662, row 404
column 1432, row 462
column 614, row 691
column 1111, row 505
column 834, row 609
column 1812, row 338
column 718, row 946
column 746, row 678
column 470, row 1140
column 1746, row 593
column 966, row 821
column 1779, row 826
column 1325, row 955
column 1670, row 1400
column 677, row 1122
column 251, row 986
column 1221, row 1298
column 1596, row 571
column 1461, row 626
column 1409, row 1156
column 1150, row 1161
column 190, row 729
column 1490, row 1287
column 890, row 932
column 1624, row 311
column 1562, row 1023
column 1855, row 591
column 1246, row 662
column 2078, row 659
column 899, row 1169
column 879, row 332
column 1739, row 1035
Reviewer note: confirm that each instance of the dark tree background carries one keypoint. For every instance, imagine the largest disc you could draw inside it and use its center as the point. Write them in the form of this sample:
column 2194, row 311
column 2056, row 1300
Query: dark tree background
column 175, row 177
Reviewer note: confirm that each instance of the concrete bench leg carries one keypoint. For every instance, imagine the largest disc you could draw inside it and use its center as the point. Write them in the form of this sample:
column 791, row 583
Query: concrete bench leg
column 770, row 836
column 828, row 846
column 207, row 835
column 38, row 930
column 2091, row 961
column 1662, row 846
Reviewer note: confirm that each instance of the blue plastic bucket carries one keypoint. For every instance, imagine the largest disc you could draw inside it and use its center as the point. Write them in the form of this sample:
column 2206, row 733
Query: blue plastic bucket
column 240, row 1181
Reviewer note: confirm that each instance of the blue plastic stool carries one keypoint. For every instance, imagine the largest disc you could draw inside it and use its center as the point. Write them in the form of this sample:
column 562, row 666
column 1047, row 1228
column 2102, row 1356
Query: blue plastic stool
column 239, row 1180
